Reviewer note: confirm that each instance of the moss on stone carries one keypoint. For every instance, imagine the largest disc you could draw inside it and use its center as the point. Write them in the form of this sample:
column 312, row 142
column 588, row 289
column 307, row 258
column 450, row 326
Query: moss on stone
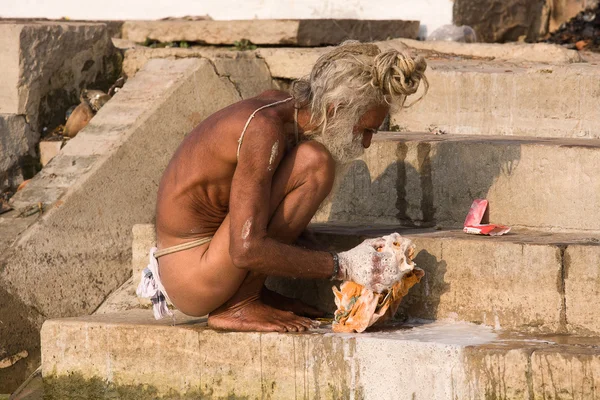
column 75, row 386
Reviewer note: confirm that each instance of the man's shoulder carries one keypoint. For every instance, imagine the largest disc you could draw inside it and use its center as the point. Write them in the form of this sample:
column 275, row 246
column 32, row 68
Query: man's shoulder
column 258, row 112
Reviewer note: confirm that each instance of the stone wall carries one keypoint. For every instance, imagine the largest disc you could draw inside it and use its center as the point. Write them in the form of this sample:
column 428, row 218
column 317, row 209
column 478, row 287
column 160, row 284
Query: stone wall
column 44, row 67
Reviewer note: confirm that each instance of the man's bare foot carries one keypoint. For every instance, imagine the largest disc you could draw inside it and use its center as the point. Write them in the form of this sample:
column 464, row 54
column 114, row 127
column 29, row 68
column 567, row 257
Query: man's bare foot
column 254, row 315
column 296, row 306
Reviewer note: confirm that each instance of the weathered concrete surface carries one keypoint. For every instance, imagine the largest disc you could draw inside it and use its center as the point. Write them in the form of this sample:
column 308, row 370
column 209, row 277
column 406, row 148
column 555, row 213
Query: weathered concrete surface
column 293, row 63
column 101, row 184
column 249, row 74
column 498, row 99
column 304, row 32
column 582, row 287
column 103, row 169
column 144, row 238
column 290, row 63
column 426, row 180
column 124, row 299
column 16, row 140
column 447, row 361
column 45, row 65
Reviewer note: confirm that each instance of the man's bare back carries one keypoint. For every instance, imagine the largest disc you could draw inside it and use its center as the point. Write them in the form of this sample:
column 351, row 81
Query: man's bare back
column 254, row 208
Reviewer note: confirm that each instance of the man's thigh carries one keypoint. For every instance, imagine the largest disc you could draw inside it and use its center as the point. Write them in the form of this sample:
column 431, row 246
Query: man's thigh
column 201, row 279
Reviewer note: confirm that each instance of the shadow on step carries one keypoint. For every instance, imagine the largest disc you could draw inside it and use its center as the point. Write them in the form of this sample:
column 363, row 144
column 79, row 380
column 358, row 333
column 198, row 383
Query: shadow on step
column 19, row 341
column 419, row 183
column 426, row 183
column 423, row 299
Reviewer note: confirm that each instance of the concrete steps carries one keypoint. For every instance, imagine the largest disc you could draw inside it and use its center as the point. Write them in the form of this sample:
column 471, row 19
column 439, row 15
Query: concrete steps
column 527, row 281
column 519, row 90
column 129, row 355
column 422, row 179
column 477, row 95
column 542, row 281
column 494, row 98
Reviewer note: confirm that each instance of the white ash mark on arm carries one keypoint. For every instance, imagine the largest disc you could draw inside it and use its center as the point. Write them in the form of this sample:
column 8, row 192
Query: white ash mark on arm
column 246, row 232
column 274, row 153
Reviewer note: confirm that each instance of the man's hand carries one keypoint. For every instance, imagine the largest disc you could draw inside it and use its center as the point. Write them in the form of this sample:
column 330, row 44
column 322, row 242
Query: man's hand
column 378, row 263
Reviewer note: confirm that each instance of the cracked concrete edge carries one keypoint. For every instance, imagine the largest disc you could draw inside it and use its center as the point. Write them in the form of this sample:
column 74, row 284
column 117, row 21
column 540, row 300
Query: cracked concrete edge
column 513, row 52
column 248, row 72
column 303, row 32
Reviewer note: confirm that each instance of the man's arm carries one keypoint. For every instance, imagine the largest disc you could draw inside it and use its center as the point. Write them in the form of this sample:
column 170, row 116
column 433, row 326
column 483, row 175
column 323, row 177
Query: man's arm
column 250, row 247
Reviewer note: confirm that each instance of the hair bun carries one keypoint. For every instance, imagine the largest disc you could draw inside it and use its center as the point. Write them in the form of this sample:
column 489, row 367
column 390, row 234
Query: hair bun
column 398, row 74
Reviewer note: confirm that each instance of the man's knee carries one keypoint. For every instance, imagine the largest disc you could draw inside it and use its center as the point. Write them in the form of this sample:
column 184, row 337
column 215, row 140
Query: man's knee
column 317, row 164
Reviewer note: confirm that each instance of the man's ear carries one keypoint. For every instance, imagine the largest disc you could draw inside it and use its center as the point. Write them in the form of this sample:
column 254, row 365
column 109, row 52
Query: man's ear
column 330, row 111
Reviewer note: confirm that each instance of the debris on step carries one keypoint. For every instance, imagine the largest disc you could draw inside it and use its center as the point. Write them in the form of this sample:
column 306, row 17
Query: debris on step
column 436, row 131
column 477, row 214
column 116, row 86
column 4, row 206
column 453, row 33
column 32, row 210
column 94, row 98
column 23, row 184
column 582, row 32
column 91, row 102
column 78, row 120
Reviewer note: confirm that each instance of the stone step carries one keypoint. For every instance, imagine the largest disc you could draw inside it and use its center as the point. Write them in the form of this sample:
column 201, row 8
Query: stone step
column 526, row 281
column 129, row 355
column 482, row 97
column 304, row 32
column 471, row 97
column 426, row 179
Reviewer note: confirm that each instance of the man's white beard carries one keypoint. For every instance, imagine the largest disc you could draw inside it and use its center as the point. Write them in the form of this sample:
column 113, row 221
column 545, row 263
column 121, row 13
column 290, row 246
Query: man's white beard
column 341, row 142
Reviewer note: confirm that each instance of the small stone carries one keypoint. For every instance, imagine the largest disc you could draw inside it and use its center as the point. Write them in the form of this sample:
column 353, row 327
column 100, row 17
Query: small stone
column 49, row 150
column 23, row 184
column 580, row 45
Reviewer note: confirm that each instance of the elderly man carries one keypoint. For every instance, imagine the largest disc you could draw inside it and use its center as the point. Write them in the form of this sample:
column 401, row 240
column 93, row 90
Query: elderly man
column 245, row 183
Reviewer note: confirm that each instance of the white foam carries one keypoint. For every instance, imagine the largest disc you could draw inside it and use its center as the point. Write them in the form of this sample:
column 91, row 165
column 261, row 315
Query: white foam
column 441, row 332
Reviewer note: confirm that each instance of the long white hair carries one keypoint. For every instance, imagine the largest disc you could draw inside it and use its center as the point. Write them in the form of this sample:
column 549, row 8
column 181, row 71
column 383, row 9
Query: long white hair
column 354, row 77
